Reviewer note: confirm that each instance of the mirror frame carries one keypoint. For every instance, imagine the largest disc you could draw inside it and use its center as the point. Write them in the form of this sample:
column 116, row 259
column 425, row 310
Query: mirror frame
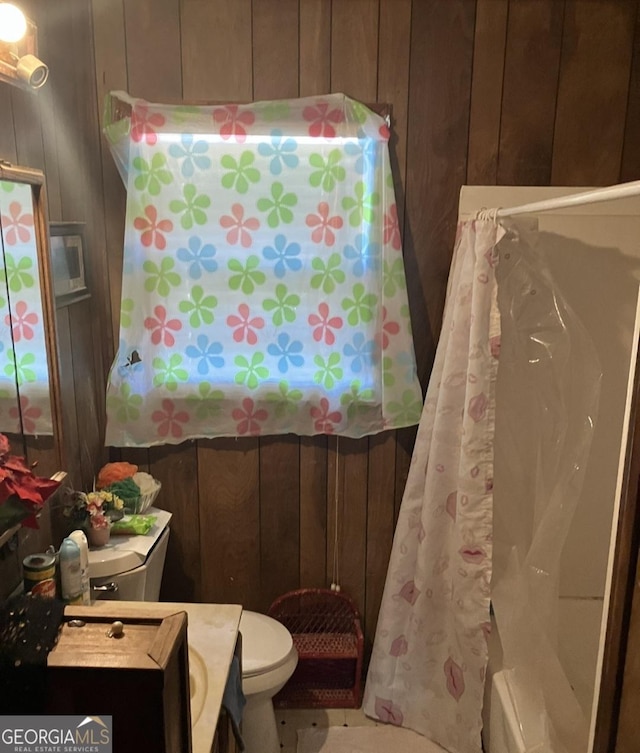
column 35, row 178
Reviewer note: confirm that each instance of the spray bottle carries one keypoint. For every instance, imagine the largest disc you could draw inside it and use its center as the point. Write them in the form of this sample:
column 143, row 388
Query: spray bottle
column 81, row 540
column 70, row 571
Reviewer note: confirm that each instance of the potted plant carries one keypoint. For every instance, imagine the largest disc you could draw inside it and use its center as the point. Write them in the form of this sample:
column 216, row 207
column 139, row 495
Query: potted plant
column 94, row 512
column 22, row 493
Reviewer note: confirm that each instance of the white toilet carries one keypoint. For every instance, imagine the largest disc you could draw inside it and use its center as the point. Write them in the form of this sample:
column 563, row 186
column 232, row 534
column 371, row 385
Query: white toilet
column 129, row 568
column 268, row 660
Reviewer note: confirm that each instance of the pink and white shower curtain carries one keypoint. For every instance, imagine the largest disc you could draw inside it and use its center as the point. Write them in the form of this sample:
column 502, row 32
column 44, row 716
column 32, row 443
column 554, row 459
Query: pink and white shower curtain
column 430, row 651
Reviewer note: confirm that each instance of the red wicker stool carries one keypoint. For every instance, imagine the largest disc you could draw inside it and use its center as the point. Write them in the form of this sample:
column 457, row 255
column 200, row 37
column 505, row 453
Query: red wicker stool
column 326, row 631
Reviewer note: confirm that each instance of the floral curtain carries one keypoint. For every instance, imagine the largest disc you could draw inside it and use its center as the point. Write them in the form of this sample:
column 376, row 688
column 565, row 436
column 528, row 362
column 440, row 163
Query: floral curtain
column 263, row 287
column 430, row 651
column 25, row 406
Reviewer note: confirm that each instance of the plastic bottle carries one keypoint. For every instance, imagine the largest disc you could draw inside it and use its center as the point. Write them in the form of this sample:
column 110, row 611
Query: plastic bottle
column 81, row 540
column 70, row 571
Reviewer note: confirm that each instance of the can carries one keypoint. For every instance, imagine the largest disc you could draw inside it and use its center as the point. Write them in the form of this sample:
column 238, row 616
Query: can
column 40, row 575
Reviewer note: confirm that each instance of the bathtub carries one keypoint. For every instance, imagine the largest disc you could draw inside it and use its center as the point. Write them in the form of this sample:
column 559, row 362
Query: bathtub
column 578, row 640
column 500, row 725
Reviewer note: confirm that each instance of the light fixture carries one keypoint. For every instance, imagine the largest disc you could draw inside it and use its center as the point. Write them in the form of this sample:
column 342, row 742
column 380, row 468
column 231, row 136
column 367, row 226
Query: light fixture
column 13, row 23
column 19, row 63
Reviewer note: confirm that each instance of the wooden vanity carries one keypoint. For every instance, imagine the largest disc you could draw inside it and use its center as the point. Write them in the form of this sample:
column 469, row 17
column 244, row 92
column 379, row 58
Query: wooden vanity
column 152, row 654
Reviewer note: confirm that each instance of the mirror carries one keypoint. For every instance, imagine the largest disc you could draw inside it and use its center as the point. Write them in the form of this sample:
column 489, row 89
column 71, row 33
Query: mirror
column 29, row 384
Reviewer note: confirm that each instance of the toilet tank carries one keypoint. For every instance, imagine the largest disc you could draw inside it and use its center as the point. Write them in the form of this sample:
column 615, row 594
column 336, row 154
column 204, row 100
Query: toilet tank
column 129, row 568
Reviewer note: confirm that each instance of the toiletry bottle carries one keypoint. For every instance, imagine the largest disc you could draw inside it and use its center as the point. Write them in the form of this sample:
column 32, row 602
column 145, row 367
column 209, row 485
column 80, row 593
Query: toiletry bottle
column 81, row 540
column 70, row 571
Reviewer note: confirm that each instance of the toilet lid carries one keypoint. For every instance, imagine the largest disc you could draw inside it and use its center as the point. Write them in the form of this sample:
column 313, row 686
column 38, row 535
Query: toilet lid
column 266, row 643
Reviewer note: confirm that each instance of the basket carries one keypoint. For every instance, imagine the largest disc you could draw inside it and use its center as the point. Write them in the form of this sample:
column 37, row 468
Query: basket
column 326, row 631
column 143, row 502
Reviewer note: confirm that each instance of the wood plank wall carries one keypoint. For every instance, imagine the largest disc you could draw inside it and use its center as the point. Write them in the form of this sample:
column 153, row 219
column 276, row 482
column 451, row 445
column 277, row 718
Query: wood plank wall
column 56, row 131
column 483, row 92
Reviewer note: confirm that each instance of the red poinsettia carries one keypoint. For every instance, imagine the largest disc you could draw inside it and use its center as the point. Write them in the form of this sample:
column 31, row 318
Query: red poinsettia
column 22, row 493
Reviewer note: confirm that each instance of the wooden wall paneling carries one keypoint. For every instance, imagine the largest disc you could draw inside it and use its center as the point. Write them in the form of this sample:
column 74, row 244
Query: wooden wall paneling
column 111, row 74
column 96, row 266
column 354, row 48
column 140, row 456
column 87, row 407
column 532, row 62
column 313, row 512
column 595, row 68
column 380, row 524
column 439, row 101
column 279, row 517
column 152, row 34
column 393, row 87
column 354, row 72
column 40, row 12
column 152, row 30
column 315, row 78
column 353, row 461
column 275, row 76
column 275, row 49
column 315, row 47
column 228, row 484
column 67, row 398
column 8, row 151
column 216, row 50
column 26, row 120
column 630, row 169
column 176, row 467
column 627, row 730
column 486, row 91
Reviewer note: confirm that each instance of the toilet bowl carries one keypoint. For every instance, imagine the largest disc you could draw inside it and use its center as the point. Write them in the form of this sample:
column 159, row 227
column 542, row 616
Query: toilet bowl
column 268, row 660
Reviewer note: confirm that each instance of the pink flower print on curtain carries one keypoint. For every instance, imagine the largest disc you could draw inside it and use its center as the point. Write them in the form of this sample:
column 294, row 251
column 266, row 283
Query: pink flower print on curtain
column 239, row 229
column 435, row 606
column 257, row 268
column 16, row 226
column 233, row 122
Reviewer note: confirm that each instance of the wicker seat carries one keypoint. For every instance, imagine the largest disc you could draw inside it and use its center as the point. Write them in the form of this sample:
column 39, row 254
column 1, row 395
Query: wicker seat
column 326, row 632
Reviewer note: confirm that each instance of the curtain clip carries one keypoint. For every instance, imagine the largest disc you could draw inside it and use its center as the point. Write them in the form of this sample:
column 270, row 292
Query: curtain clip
column 488, row 215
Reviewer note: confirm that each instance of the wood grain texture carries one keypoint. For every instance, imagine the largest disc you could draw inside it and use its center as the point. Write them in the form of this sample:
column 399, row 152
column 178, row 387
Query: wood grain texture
column 110, row 74
column 8, row 150
column 275, row 49
column 313, row 512
column 229, row 499
column 153, row 61
column 354, row 48
column 592, row 97
column 279, row 517
column 532, row 63
column 486, row 91
column 630, row 169
column 393, row 85
column 315, row 47
column 216, row 50
column 439, row 100
column 380, row 525
column 176, row 467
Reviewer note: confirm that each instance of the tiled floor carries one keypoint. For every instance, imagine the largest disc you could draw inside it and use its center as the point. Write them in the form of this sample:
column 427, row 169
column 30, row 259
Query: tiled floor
column 289, row 722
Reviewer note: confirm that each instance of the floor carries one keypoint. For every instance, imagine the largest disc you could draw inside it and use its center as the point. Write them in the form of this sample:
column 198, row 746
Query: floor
column 289, row 722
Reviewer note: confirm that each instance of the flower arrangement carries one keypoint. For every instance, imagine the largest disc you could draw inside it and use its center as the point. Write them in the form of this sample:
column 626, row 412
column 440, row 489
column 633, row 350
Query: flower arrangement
column 22, row 493
column 96, row 509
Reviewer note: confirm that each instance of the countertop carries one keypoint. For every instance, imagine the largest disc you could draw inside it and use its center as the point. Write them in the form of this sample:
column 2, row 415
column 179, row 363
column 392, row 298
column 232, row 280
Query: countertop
column 212, row 630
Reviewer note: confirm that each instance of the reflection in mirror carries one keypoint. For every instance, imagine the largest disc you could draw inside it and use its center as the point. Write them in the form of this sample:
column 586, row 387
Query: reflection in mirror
column 29, row 384
column 25, row 406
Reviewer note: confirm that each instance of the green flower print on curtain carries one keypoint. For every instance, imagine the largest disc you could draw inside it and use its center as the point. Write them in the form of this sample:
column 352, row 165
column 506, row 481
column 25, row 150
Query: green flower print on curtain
column 25, row 406
column 263, row 286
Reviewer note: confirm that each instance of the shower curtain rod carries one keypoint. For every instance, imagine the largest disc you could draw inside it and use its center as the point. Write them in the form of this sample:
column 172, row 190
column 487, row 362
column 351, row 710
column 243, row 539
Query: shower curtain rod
column 609, row 193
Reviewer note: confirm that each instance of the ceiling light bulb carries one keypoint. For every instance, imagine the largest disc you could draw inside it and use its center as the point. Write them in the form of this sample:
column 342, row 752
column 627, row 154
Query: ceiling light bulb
column 13, row 24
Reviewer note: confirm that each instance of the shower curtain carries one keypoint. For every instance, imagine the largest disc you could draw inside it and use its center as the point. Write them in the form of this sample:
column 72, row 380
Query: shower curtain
column 430, row 650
